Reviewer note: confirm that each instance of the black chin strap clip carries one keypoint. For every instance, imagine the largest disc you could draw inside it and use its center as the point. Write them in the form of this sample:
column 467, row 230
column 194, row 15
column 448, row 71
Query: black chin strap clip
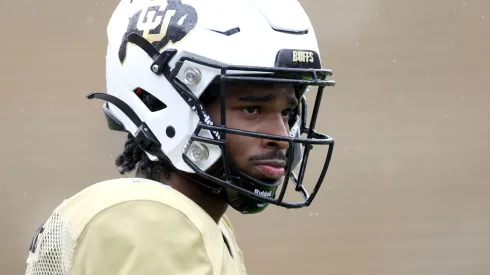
column 145, row 138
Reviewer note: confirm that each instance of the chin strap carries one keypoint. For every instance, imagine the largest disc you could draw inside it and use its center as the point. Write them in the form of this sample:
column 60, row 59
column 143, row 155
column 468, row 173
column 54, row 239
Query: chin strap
column 121, row 105
column 144, row 137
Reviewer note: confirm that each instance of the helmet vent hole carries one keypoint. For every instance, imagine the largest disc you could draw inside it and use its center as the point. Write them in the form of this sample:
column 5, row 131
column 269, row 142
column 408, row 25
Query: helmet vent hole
column 170, row 131
column 153, row 103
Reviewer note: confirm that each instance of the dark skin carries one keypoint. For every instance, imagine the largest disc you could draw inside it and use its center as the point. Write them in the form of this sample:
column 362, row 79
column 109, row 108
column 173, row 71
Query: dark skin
column 262, row 108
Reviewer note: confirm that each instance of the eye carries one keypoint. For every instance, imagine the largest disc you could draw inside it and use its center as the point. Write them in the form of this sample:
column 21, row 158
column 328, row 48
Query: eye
column 251, row 110
column 287, row 113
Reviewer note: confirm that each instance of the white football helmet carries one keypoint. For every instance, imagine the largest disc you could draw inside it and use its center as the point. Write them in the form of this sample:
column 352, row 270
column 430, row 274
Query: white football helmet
column 172, row 50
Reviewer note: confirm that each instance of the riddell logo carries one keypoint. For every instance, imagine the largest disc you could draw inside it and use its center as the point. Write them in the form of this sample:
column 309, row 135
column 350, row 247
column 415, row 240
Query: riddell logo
column 267, row 194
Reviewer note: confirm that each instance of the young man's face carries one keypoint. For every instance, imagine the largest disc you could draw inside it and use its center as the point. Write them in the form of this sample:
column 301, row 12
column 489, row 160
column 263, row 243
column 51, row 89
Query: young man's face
column 261, row 108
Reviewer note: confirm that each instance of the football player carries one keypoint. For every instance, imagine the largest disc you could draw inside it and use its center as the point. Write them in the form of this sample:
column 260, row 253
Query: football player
column 212, row 97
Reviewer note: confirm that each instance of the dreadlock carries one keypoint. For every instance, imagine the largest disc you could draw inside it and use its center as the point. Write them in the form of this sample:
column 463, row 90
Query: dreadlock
column 133, row 157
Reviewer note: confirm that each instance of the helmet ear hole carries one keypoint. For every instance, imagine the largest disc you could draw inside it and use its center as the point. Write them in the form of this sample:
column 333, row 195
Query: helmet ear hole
column 152, row 103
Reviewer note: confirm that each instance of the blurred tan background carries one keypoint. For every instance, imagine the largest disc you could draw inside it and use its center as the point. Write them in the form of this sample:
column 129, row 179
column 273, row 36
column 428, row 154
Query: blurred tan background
column 408, row 192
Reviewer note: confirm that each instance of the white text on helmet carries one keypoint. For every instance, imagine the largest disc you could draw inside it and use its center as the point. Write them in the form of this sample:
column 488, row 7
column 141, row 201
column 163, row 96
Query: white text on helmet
column 303, row 57
column 267, row 194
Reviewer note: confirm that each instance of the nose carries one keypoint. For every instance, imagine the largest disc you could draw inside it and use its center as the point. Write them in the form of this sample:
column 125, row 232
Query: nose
column 276, row 127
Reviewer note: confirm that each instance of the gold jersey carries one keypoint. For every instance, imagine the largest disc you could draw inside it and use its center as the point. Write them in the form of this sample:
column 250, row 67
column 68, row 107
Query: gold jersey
column 133, row 227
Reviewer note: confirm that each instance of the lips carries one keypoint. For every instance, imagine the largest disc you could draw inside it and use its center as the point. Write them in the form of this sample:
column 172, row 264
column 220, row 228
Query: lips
column 273, row 169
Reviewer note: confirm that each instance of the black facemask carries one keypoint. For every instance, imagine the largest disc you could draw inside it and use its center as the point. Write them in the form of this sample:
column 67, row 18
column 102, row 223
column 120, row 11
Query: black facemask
column 243, row 192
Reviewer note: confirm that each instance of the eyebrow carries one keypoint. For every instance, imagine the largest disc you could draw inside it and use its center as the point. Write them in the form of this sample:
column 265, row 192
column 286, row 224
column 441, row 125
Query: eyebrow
column 292, row 100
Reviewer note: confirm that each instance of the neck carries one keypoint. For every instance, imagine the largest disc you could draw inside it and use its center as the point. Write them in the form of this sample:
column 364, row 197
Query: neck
column 209, row 202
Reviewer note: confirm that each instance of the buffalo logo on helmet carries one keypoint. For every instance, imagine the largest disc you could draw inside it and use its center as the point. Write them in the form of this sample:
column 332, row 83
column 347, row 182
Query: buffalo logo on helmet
column 160, row 24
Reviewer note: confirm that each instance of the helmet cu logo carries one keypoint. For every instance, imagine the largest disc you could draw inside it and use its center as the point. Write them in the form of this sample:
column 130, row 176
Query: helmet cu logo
column 161, row 25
